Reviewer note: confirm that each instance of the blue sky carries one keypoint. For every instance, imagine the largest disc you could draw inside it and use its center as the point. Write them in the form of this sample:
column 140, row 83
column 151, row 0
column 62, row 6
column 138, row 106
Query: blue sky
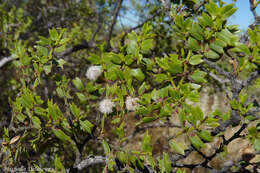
column 242, row 17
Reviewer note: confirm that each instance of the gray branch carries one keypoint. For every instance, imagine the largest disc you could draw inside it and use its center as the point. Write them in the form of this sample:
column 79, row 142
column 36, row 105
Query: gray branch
column 219, row 70
column 253, row 112
column 215, row 77
column 90, row 161
column 251, row 78
column 5, row 60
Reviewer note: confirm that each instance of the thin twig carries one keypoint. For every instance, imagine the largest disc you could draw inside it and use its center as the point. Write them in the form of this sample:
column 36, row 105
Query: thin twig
column 139, row 26
column 119, row 3
column 252, row 8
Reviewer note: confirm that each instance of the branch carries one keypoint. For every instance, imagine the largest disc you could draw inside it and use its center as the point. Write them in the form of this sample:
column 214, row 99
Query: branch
column 253, row 112
column 219, row 70
column 252, row 8
column 251, row 78
column 119, row 3
column 91, row 160
column 5, row 60
column 75, row 48
column 143, row 128
column 215, row 77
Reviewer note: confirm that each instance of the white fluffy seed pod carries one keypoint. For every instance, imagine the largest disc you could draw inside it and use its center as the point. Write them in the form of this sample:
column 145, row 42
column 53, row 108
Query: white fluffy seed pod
column 131, row 103
column 94, row 72
column 106, row 106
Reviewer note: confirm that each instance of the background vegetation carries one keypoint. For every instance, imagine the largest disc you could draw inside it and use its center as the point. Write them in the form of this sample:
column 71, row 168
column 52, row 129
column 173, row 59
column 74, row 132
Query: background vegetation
column 82, row 92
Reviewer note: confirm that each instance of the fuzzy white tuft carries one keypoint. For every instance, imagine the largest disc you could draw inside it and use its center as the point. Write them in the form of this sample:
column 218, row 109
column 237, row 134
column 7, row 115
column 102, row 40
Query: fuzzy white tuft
column 131, row 103
column 94, row 72
column 106, row 106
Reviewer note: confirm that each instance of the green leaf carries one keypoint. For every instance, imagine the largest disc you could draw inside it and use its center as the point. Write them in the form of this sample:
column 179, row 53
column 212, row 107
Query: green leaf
column 120, row 130
column 163, row 92
column 147, row 28
column 138, row 74
column 142, row 88
column 40, row 111
column 196, row 59
column 122, row 156
column 142, row 110
column 242, row 48
column 129, row 59
column 155, row 94
column 64, row 40
column 146, row 143
column 179, row 21
column 47, row 68
column 216, row 48
column 58, row 165
column 78, row 84
column 27, row 100
column 211, row 55
column 234, row 104
column 197, row 113
column 148, row 119
column 75, row 110
column 94, row 58
column 205, row 135
column 196, row 142
column 180, row 171
column 257, row 144
column 60, row 49
column 163, row 63
column 21, row 117
column 61, row 62
column 205, row 20
column 53, row 34
column 175, row 66
column 36, row 122
column 132, row 46
column 146, row 45
column 106, row 147
column 212, row 8
column 167, row 163
column 44, row 41
column 243, row 98
column 86, row 126
column 197, row 32
column 60, row 92
column 220, row 43
column 228, row 11
column 225, row 36
column 193, row 44
column 160, row 77
column 81, row 97
column 177, row 147
column 198, row 76
column 61, row 135
column 166, row 110
column 112, row 73
column 42, row 51
column 115, row 58
column 54, row 111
